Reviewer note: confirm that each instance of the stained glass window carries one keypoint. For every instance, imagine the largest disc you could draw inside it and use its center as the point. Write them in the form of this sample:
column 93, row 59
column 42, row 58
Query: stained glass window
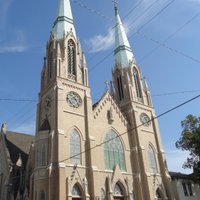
column 71, row 60
column 43, row 159
column 42, row 195
column 158, row 195
column 75, row 147
column 76, row 191
column 113, row 151
column 152, row 159
column 137, row 85
column 36, row 155
column 118, row 190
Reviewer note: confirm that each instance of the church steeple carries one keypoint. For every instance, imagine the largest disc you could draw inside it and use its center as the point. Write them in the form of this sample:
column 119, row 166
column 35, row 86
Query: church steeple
column 123, row 52
column 64, row 20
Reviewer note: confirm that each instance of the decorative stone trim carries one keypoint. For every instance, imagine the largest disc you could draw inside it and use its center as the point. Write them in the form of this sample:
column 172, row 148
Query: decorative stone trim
column 73, row 87
column 61, row 132
column 102, row 103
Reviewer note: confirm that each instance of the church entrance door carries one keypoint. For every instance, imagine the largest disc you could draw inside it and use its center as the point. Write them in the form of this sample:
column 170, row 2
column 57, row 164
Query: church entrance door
column 118, row 198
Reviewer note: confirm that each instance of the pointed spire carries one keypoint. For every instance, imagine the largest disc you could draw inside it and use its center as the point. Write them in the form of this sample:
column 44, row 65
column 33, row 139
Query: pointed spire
column 123, row 52
column 64, row 20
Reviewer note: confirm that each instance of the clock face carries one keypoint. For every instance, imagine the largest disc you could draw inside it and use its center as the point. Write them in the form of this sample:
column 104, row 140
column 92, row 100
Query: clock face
column 73, row 99
column 47, row 103
column 145, row 120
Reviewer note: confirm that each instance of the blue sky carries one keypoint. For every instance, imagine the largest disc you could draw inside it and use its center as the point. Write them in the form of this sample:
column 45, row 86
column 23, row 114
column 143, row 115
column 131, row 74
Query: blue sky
column 166, row 48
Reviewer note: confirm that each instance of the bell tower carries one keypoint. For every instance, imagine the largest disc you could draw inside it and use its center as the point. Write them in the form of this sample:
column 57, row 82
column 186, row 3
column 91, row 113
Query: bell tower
column 64, row 115
column 131, row 93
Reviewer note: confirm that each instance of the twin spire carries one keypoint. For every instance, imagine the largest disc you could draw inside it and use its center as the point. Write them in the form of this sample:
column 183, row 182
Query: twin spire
column 123, row 53
column 64, row 23
column 64, row 20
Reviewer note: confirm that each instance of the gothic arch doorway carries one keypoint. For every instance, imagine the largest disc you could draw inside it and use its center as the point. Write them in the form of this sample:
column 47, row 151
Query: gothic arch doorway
column 76, row 193
column 118, row 192
column 158, row 195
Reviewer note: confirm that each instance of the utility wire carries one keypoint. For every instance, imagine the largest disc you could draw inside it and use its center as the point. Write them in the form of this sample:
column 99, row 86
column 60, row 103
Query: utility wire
column 156, row 95
column 131, row 129
column 172, row 35
column 134, row 128
column 111, row 53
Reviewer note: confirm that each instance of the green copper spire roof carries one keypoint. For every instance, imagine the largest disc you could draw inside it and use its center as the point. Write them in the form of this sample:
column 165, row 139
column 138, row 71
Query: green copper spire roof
column 123, row 53
column 64, row 20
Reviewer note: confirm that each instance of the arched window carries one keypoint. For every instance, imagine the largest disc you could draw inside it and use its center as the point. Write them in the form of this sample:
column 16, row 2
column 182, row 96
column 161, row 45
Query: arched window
column 113, row 151
column 36, row 154
column 71, row 60
column 76, row 192
column 158, row 195
column 120, row 88
column 75, row 147
column 42, row 195
column 118, row 192
column 152, row 159
column 43, row 155
column 137, row 85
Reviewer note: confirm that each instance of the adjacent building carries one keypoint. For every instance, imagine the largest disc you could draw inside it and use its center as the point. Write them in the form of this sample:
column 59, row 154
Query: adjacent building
column 184, row 186
column 14, row 152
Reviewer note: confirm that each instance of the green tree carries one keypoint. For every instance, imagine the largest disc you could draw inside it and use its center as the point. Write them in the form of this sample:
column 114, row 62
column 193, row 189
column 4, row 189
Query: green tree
column 190, row 141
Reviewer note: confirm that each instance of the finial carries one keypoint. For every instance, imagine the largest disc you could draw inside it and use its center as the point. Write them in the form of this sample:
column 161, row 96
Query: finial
column 107, row 85
column 115, row 5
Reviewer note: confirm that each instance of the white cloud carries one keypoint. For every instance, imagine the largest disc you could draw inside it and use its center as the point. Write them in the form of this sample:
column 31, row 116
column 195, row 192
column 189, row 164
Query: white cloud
column 16, row 45
column 101, row 42
column 136, row 19
column 175, row 160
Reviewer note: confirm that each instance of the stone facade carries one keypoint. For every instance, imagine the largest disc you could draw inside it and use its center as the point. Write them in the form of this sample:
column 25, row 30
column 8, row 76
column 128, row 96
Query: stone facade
column 109, row 150
column 185, row 187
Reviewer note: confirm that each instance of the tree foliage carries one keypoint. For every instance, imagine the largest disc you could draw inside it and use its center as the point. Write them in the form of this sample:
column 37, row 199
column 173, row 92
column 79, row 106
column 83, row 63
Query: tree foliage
column 190, row 141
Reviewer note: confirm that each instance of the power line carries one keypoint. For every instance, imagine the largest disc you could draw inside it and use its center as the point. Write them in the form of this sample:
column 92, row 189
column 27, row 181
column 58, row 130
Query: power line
column 161, row 94
column 172, row 35
column 110, row 53
column 156, row 95
column 134, row 128
column 131, row 129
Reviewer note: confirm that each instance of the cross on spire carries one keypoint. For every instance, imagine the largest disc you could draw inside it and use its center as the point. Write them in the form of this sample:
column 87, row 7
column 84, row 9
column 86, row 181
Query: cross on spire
column 115, row 3
column 107, row 85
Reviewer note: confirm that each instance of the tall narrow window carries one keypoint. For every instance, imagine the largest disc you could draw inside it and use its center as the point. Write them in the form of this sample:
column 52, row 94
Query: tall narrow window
column 152, row 159
column 36, row 155
column 185, row 189
column 190, row 189
column 71, row 60
column 137, row 85
column 42, row 195
column 76, row 192
column 118, row 192
column 43, row 155
column 75, row 147
column 113, row 151
column 120, row 88
column 50, row 66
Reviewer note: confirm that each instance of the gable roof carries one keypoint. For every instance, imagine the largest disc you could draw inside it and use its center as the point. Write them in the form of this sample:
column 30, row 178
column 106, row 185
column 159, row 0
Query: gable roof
column 18, row 144
column 97, row 107
column 178, row 175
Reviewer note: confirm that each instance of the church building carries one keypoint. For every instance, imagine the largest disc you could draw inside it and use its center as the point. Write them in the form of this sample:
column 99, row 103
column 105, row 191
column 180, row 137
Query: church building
column 110, row 150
